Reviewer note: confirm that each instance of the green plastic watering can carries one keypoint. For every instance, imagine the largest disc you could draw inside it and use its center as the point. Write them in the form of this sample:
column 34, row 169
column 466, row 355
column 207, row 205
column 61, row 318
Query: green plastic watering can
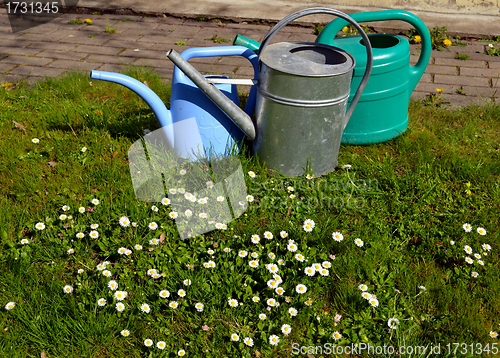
column 382, row 110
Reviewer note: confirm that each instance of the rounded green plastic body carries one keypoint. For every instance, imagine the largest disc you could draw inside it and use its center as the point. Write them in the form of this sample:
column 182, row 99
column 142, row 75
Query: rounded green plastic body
column 382, row 111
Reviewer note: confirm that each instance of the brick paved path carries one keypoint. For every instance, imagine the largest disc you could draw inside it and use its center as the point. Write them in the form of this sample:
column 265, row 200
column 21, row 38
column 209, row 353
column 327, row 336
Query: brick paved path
column 55, row 47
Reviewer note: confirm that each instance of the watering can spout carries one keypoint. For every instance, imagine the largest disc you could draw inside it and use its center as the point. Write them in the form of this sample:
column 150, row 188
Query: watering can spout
column 155, row 103
column 235, row 113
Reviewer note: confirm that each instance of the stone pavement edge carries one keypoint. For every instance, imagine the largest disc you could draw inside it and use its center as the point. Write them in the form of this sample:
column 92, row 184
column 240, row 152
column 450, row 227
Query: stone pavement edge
column 56, row 47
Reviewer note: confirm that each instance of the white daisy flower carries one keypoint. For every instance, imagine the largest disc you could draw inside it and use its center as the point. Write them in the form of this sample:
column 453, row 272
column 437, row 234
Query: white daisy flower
column 292, row 311
column 235, row 337
column 164, row 294
column 181, row 190
column 300, row 257
column 120, row 307
column 481, row 231
column 254, row 255
column 363, row 287
column 124, row 221
column 113, row 285
column 94, row 234
column 422, row 288
column 101, row 302
column 393, row 323
column 232, row 302
column 359, row 242
column 255, row 239
column 493, row 334
column 227, row 249
column 173, row 215
column 324, row 272
column 467, row 227
column 336, row 335
column 145, row 308
column 182, row 172
column 281, row 262
column 283, row 234
column 307, row 228
column 250, row 198
column 148, row 342
column 172, row 191
column 173, row 305
column 271, row 302
column 271, row 255
column 262, row 316
column 477, row 256
column 274, row 340
column 65, row 208
column 122, row 250
column 62, row 217
column 210, row 184
column 165, row 201
column 248, row 341
column 203, row 215
column 486, row 247
column 161, row 345
column 468, row 249
column 301, row 288
column 317, row 266
column 272, row 283
column 255, row 299
column 272, row 268
column 280, row 291
column 154, row 242
column 202, row 201
column 153, row 226
column 251, row 174
column 469, row 260
column 67, row 289
column 474, row 274
column 138, row 247
column 292, row 247
column 95, row 201
column 107, row 273
column 326, row 264
column 80, row 271
column 242, row 253
column 337, row 236
column 125, row 333
column 268, row 235
column 80, row 235
column 373, row 301
column 366, row 295
column 35, row 140
column 254, row 263
column 481, row 262
column 286, row 329
column 101, row 266
column 181, row 293
column 308, row 302
column 40, row 226
column 220, row 199
column 199, row 306
column 81, row 209
column 309, row 271
column 187, row 282
column 120, row 295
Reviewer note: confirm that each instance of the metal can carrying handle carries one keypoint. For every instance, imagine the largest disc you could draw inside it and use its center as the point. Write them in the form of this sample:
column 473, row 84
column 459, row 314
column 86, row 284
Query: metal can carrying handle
column 324, row 10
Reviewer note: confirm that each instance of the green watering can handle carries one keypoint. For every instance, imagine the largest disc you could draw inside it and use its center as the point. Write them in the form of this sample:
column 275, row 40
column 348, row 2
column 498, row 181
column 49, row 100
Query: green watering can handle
column 325, row 10
column 416, row 72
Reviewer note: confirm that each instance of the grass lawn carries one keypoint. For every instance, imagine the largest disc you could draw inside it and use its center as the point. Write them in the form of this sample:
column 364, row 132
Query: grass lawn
column 376, row 253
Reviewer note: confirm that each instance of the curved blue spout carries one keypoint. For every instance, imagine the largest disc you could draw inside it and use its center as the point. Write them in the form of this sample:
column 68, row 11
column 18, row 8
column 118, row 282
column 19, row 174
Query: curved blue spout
column 157, row 106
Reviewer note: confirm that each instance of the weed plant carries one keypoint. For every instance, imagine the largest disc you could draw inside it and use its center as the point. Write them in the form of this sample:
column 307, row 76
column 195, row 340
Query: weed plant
column 398, row 246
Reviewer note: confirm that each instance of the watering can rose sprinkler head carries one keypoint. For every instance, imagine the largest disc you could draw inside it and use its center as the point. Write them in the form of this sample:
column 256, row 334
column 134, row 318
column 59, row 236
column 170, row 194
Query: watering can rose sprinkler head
column 235, row 113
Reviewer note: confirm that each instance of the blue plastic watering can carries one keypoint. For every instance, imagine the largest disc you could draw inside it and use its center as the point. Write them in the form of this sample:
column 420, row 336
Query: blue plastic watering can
column 218, row 133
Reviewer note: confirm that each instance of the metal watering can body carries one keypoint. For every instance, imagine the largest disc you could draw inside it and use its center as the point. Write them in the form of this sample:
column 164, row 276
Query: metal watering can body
column 382, row 111
column 302, row 93
column 219, row 134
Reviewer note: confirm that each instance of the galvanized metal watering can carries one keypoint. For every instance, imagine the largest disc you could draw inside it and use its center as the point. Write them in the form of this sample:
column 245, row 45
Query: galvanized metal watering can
column 302, row 92
column 382, row 110
column 219, row 134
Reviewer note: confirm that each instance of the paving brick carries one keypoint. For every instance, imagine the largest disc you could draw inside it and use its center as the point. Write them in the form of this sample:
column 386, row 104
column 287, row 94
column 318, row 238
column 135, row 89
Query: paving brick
column 480, row 72
column 461, row 80
column 479, row 57
column 62, row 55
column 143, row 53
column 426, row 78
column 113, row 67
column 469, row 49
column 6, row 67
column 482, row 91
column 461, row 63
column 21, row 51
column 495, row 65
column 443, row 70
column 26, row 60
column 12, row 78
column 151, row 62
column 225, row 70
column 36, row 71
column 84, row 39
column 443, row 54
column 110, row 59
column 75, row 65
column 431, row 88
column 54, row 36
column 53, row 46
column 100, row 50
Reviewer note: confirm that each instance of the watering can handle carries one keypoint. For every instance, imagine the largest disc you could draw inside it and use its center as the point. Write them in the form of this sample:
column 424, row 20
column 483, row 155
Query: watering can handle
column 325, row 10
column 416, row 71
column 218, row 51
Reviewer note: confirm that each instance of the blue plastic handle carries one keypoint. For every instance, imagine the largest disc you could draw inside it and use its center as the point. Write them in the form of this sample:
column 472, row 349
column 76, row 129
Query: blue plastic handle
column 198, row 52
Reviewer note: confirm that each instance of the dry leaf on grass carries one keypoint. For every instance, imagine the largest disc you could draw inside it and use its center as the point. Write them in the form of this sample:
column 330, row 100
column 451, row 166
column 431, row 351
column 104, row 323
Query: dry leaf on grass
column 19, row 126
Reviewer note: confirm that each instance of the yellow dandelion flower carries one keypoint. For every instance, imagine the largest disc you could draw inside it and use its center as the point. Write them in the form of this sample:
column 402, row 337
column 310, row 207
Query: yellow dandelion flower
column 418, row 39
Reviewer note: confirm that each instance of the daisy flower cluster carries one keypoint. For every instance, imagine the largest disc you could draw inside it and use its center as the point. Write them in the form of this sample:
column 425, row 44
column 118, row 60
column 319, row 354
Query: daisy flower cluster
column 471, row 256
